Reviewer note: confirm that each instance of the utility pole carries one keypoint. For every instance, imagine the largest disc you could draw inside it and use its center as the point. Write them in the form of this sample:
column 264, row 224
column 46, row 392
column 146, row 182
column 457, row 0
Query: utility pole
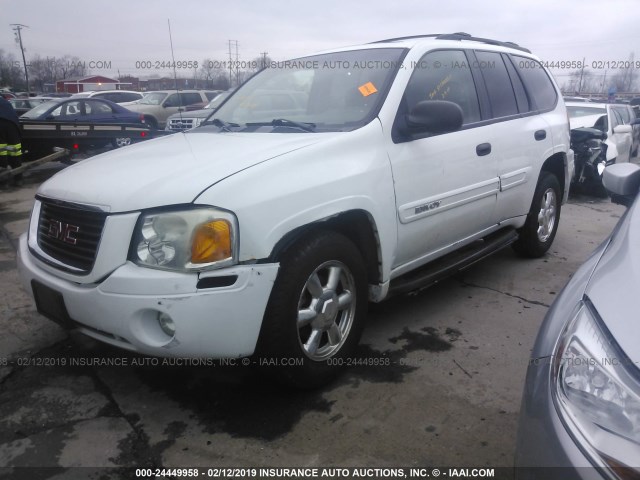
column 581, row 74
column 231, row 62
column 17, row 27
column 237, row 67
column 264, row 59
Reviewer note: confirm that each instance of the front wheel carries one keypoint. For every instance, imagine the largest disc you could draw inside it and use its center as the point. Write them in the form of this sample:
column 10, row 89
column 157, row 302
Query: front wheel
column 541, row 226
column 316, row 312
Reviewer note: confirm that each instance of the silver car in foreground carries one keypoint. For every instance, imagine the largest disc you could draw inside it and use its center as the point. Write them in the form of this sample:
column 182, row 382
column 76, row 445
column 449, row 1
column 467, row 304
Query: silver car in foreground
column 581, row 403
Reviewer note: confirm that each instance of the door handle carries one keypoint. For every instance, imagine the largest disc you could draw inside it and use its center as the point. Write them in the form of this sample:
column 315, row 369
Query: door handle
column 483, row 149
column 540, row 135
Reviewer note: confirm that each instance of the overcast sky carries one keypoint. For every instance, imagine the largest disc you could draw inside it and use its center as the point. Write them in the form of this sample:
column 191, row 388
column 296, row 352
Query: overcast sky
column 123, row 33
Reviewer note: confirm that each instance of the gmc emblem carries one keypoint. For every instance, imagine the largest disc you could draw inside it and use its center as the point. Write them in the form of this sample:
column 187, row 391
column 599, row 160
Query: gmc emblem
column 63, row 231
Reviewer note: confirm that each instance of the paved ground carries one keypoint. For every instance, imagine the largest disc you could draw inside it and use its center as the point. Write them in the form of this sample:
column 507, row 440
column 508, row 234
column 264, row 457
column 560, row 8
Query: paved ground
column 449, row 393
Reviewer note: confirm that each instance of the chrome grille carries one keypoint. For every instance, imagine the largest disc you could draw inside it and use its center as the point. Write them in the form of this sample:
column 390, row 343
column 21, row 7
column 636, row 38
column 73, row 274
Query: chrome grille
column 181, row 124
column 70, row 234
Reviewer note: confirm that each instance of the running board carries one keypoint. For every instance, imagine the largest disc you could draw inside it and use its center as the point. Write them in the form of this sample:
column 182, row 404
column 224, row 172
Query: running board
column 452, row 263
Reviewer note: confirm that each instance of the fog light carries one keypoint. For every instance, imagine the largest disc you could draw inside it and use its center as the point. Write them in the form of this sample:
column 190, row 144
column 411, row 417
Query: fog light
column 166, row 324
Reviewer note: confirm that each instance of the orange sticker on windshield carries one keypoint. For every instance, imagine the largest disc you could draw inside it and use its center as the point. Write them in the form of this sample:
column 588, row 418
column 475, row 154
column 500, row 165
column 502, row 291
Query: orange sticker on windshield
column 367, row 89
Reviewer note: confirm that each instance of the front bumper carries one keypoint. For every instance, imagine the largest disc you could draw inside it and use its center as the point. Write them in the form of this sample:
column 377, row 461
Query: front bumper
column 122, row 309
column 544, row 448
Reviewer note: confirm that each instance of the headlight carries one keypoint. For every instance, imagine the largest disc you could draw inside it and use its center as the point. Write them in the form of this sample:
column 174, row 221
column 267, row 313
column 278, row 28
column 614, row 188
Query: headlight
column 187, row 240
column 597, row 391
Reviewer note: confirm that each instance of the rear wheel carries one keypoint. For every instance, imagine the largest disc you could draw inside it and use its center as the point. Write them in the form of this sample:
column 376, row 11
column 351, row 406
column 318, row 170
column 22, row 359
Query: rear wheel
column 150, row 122
column 541, row 226
column 316, row 312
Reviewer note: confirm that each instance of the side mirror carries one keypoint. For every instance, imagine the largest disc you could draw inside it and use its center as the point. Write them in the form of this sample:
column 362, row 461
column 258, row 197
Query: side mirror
column 434, row 116
column 622, row 180
column 623, row 129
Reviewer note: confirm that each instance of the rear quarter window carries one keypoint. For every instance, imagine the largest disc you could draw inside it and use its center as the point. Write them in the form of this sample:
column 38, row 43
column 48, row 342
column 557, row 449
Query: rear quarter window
column 542, row 93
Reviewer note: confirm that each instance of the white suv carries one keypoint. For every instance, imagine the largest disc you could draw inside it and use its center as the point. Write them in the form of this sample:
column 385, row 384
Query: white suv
column 268, row 229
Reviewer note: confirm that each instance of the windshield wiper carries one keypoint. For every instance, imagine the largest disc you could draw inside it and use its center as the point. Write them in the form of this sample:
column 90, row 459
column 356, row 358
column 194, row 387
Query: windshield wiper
column 284, row 122
column 224, row 126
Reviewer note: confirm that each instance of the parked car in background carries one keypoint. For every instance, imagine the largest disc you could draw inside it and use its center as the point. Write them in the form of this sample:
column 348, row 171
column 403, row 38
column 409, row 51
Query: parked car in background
column 581, row 402
column 58, row 95
column 179, row 122
column 80, row 110
column 607, row 118
column 211, row 95
column 268, row 230
column 157, row 106
column 576, row 99
column 23, row 105
column 116, row 96
column 629, row 117
column 7, row 95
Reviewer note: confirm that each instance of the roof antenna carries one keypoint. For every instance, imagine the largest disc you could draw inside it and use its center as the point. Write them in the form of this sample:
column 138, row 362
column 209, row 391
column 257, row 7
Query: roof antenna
column 175, row 75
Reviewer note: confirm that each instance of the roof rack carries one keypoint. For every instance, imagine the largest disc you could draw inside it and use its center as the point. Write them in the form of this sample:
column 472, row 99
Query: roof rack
column 459, row 36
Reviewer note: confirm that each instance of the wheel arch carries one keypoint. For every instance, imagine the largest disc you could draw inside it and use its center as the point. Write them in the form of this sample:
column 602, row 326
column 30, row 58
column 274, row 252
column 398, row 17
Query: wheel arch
column 151, row 120
column 357, row 225
column 557, row 164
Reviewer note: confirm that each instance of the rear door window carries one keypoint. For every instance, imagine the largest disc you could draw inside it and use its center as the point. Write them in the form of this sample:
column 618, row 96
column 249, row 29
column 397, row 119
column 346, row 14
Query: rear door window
column 541, row 91
column 496, row 78
column 518, row 88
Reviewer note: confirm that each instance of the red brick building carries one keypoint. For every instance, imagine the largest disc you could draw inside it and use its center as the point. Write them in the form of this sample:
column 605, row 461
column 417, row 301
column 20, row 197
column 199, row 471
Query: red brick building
column 87, row 83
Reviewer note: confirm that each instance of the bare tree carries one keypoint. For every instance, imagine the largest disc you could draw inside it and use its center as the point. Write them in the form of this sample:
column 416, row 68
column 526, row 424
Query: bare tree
column 42, row 70
column 11, row 73
column 624, row 79
column 582, row 81
column 70, row 66
column 213, row 73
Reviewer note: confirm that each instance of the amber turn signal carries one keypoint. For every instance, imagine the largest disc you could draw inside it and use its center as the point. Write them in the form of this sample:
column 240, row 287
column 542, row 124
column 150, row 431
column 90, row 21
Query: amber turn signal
column 211, row 242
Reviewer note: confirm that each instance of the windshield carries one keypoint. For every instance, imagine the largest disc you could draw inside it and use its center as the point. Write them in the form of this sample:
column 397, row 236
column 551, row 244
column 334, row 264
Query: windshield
column 40, row 109
column 333, row 92
column 153, row 98
column 585, row 111
column 215, row 103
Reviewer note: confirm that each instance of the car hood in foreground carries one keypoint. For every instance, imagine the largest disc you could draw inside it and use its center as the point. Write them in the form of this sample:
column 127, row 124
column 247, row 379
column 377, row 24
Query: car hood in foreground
column 170, row 170
column 615, row 285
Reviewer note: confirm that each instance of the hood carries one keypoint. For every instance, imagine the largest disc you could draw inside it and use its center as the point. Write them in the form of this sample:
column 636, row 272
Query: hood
column 585, row 121
column 170, row 170
column 615, row 285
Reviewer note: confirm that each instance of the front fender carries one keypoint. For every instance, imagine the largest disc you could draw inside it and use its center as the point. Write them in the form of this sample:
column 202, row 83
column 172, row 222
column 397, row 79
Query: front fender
column 346, row 172
column 612, row 150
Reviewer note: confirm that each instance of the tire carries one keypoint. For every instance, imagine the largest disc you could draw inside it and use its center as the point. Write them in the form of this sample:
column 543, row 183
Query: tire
column 316, row 311
column 541, row 226
column 151, row 122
